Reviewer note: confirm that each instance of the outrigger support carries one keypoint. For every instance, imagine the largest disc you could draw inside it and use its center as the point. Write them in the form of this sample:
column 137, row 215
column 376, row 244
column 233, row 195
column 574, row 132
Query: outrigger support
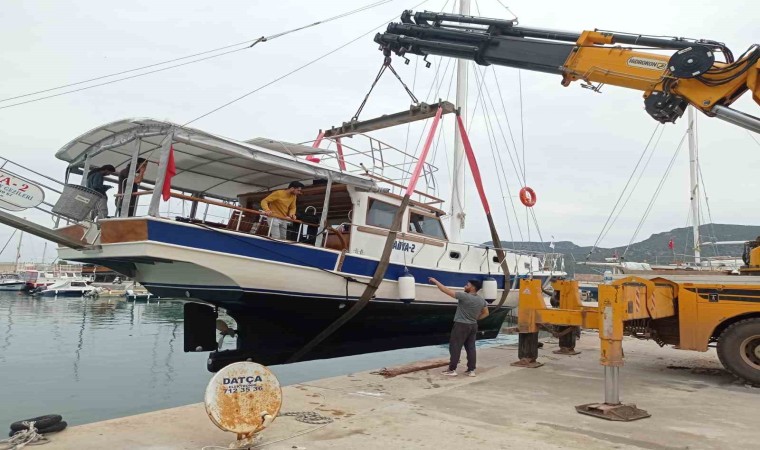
column 415, row 113
column 627, row 299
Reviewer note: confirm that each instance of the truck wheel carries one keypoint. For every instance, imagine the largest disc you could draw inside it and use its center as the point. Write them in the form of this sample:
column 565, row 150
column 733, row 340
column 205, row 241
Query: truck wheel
column 739, row 350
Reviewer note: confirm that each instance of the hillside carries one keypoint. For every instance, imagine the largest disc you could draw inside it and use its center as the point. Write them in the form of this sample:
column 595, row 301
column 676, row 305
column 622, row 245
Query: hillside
column 654, row 249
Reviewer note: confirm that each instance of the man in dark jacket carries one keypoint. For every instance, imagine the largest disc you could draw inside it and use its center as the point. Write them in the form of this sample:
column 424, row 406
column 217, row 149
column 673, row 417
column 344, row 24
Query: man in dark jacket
column 96, row 182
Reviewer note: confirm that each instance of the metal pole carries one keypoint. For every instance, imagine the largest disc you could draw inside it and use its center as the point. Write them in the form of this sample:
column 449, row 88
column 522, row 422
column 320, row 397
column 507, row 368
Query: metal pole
column 126, row 198
column 155, row 199
column 737, row 118
column 85, row 171
column 611, row 385
column 323, row 217
column 694, row 182
column 457, row 178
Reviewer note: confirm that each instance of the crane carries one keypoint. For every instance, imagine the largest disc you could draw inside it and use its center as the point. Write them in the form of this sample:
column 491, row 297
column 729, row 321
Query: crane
column 670, row 82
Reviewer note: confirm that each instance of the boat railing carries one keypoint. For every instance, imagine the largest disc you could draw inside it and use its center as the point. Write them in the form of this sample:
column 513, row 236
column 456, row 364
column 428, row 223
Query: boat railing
column 51, row 189
column 235, row 221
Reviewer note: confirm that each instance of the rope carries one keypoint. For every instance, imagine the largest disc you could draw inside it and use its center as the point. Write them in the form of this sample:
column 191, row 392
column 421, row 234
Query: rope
column 297, row 69
column 309, row 417
column 252, row 42
column 23, row 438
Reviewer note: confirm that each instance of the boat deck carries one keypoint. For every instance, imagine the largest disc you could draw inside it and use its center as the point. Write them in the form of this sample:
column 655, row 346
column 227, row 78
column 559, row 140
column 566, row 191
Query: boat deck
column 693, row 402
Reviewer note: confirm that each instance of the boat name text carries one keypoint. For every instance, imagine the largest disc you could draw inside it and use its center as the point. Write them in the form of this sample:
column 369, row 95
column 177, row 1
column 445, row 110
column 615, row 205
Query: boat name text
column 403, row 246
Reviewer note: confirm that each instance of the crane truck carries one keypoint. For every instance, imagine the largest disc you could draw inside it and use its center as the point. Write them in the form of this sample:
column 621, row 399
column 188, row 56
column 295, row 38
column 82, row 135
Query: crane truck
column 688, row 316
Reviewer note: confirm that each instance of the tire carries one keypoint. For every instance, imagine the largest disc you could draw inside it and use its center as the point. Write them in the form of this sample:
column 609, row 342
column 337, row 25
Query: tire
column 739, row 350
column 39, row 422
column 60, row 426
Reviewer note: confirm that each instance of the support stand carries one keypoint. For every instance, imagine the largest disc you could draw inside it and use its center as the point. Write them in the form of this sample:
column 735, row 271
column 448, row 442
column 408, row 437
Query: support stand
column 527, row 351
column 567, row 341
column 612, row 409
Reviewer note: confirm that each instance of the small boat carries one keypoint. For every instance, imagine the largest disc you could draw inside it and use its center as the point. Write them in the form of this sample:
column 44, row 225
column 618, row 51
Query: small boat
column 131, row 294
column 67, row 288
column 11, row 282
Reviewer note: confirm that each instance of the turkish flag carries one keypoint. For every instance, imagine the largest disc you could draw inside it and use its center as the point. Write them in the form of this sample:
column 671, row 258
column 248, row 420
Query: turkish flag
column 171, row 170
column 670, row 244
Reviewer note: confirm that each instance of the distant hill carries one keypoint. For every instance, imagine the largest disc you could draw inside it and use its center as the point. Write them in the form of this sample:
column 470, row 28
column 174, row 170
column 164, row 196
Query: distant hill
column 652, row 250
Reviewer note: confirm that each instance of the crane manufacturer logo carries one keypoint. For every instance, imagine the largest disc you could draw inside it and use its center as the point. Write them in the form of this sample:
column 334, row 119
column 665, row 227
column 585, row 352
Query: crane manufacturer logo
column 647, row 63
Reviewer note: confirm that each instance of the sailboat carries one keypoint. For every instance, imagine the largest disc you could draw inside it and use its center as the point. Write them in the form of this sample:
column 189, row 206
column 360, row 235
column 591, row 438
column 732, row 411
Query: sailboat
column 714, row 269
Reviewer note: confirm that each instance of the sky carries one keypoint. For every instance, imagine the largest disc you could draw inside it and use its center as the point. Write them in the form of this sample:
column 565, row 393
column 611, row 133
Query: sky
column 579, row 146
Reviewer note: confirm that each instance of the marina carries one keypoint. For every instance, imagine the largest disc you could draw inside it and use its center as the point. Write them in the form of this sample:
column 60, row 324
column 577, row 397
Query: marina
column 269, row 274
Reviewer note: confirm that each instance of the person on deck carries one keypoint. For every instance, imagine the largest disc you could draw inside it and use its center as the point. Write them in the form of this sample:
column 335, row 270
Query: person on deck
column 470, row 308
column 142, row 165
column 279, row 205
column 96, row 182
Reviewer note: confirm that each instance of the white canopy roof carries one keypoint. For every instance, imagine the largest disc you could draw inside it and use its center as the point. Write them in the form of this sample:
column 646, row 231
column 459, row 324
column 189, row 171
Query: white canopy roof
column 206, row 163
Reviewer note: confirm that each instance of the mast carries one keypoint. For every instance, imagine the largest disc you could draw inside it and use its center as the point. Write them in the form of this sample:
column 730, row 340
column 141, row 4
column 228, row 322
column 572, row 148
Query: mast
column 694, row 182
column 457, row 177
column 18, row 249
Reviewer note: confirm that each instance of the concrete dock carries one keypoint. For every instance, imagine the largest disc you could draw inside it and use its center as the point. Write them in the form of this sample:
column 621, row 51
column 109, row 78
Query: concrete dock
column 694, row 405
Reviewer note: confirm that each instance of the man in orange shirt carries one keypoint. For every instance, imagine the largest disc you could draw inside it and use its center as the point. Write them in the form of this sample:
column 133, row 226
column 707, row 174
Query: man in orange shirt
column 281, row 204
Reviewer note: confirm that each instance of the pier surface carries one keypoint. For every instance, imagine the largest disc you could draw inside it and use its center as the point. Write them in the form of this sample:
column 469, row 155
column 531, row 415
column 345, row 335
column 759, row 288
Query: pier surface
column 694, row 404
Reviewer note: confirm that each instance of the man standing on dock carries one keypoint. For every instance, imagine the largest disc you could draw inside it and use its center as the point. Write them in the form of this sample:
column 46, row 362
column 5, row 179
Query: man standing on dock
column 282, row 205
column 470, row 308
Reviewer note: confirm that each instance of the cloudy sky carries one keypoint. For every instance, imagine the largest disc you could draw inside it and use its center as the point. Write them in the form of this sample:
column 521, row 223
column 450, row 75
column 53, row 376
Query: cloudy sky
column 580, row 147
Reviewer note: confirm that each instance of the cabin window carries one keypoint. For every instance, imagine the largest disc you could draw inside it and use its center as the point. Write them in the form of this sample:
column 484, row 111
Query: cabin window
column 454, row 255
column 496, row 259
column 428, row 225
column 380, row 214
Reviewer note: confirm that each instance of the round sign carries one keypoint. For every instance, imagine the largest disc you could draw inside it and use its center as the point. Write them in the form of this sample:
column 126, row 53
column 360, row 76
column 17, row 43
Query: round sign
column 243, row 398
column 18, row 194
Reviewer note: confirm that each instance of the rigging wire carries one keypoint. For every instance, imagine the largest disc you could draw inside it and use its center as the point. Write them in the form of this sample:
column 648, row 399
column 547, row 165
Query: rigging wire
column 620, row 197
column 252, row 42
column 656, row 193
column 297, row 69
column 636, row 184
column 489, row 127
column 494, row 147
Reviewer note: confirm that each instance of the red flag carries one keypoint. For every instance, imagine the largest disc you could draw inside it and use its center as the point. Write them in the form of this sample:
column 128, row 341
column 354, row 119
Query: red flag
column 171, row 170
column 670, row 244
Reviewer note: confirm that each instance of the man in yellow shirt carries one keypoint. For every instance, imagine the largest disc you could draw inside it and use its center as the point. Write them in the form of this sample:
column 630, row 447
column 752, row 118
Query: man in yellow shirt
column 281, row 204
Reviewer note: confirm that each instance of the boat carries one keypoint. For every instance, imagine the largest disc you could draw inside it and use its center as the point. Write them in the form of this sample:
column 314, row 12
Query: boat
column 281, row 293
column 40, row 276
column 11, row 282
column 68, row 288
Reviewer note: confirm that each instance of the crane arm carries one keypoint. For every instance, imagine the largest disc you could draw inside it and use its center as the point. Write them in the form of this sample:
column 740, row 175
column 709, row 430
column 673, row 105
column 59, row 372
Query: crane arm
column 689, row 74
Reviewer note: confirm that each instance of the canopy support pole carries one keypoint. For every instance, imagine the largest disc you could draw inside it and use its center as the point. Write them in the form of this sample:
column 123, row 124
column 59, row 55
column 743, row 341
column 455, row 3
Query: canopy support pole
column 85, row 171
column 382, row 265
column 163, row 163
column 323, row 217
column 126, row 195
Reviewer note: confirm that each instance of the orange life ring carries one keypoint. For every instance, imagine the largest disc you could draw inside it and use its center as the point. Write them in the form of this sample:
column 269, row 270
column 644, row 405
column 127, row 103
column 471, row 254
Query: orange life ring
column 527, row 196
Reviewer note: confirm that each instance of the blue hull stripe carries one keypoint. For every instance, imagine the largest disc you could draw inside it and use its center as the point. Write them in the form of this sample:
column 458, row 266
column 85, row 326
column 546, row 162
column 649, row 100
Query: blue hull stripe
column 241, row 245
column 271, row 250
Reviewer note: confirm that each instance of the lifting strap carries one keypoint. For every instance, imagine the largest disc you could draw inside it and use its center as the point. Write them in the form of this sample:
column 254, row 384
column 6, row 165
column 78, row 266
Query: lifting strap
column 382, row 266
column 481, row 192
